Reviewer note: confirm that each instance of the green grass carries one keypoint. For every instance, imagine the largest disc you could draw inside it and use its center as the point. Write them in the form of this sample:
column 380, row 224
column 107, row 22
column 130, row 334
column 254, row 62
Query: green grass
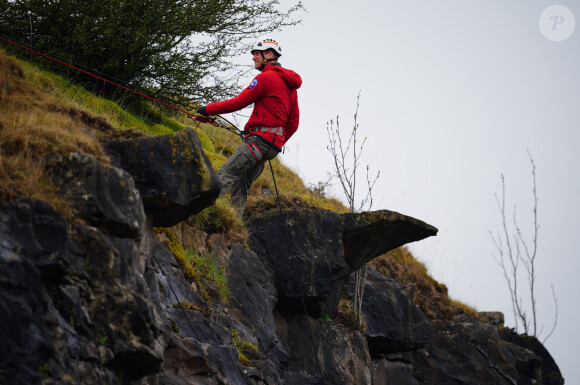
column 149, row 118
column 41, row 112
column 203, row 269
column 242, row 347
column 208, row 269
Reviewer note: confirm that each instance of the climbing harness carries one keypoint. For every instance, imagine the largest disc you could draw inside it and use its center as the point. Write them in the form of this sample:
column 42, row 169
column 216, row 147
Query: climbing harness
column 217, row 121
column 271, row 130
column 257, row 153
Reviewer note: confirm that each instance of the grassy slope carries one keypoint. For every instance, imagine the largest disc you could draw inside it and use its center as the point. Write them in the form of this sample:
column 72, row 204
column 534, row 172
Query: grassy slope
column 41, row 112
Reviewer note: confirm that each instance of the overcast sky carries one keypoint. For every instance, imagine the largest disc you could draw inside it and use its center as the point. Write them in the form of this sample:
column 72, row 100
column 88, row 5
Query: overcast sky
column 453, row 95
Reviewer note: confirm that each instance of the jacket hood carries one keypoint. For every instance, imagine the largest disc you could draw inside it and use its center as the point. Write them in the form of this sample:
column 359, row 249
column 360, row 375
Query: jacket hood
column 291, row 78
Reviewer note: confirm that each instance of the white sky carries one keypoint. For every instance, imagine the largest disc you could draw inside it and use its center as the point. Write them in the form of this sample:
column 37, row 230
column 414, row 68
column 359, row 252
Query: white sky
column 453, row 93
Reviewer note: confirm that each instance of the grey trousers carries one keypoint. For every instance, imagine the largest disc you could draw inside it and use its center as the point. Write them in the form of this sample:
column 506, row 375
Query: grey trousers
column 243, row 168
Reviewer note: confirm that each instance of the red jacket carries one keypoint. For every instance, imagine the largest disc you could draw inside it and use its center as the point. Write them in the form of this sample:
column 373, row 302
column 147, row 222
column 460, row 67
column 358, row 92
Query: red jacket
column 275, row 99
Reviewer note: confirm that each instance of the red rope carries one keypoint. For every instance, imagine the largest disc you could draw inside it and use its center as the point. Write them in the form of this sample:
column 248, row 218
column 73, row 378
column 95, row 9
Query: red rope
column 202, row 119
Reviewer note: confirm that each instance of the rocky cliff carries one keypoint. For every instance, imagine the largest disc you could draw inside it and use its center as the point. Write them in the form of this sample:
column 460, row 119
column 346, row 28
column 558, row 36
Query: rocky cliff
column 101, row 297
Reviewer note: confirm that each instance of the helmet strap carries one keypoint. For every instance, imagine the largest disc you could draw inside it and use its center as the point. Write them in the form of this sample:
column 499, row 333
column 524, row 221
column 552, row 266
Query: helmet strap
column 266, row 61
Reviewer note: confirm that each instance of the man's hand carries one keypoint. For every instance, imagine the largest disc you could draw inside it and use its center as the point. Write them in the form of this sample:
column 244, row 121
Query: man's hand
column 201, row 111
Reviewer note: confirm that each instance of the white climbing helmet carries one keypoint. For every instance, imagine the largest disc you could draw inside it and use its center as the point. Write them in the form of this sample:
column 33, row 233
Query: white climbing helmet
column 266, row 42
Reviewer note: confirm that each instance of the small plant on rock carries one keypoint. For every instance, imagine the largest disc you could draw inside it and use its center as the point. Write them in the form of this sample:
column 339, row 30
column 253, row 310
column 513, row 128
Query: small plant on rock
column 348, row 316
column 242, row 347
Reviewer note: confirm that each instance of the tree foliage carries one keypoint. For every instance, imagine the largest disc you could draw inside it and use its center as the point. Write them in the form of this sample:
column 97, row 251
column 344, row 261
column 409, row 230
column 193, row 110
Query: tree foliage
column 180, row 47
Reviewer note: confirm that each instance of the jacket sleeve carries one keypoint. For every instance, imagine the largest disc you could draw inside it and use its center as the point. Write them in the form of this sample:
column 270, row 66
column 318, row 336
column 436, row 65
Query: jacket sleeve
column 293, row 119
column 248, row 96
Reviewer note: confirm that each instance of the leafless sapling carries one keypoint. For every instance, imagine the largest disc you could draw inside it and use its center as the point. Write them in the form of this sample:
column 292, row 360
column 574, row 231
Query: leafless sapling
column 346, row 155
column 512, row 252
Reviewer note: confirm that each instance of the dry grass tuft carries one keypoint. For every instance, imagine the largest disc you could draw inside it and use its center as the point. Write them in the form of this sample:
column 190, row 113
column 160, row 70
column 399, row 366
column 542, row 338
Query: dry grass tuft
column 22, row 176
column 11, row 77
column 40, row 131
column 220, row 218
column 33, row 124
column 265, row 206
column 348, row 316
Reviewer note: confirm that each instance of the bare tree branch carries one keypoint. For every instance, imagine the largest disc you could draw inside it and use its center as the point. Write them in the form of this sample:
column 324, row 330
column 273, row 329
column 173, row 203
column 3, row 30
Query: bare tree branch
column 347, row 156
column 517, row 250
column 555, row 315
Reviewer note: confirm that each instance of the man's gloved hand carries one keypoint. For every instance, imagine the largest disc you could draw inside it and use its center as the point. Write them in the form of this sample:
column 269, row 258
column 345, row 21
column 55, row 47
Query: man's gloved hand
column 201, row 111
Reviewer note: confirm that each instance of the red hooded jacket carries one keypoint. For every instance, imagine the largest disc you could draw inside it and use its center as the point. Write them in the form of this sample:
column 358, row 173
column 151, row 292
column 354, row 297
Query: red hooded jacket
column 275, row 99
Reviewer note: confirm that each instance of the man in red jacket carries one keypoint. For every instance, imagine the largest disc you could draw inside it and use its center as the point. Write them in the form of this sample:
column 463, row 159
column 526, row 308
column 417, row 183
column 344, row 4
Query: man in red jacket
column 272, row 122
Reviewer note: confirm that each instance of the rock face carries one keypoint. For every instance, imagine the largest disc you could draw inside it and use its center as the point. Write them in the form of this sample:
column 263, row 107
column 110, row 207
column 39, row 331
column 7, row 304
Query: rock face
column 101, row 300
column 74, row 302
column 105, row 198
column 172, row 173
column 399, row 325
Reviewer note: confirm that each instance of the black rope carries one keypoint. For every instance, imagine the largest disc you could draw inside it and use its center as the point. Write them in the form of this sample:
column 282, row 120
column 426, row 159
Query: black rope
column 219, row 120
column 291, row 245
column 177, row 299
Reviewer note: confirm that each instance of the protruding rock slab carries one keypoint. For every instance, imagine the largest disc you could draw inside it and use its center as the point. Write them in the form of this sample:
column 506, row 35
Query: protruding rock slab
column 172, row 173
column 312, row 248
column 370, row 234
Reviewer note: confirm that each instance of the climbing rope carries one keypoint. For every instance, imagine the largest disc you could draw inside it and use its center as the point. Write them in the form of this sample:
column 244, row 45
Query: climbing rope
column 291, row 245
column 217, row 121
column 177, row 299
